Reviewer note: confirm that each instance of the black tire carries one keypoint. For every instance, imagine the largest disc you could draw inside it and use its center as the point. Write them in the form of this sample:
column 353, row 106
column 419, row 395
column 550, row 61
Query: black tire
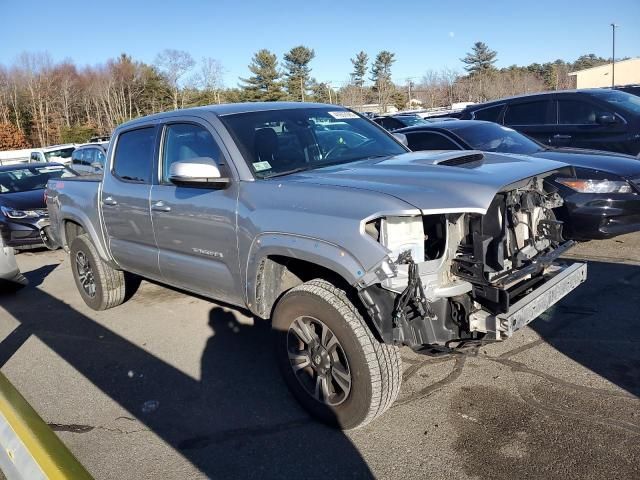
column 109, row 284
column 375, row 368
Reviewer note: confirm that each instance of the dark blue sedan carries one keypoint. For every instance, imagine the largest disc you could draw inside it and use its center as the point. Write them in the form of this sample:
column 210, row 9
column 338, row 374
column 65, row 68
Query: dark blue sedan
column 23, row 210
column 601, row 199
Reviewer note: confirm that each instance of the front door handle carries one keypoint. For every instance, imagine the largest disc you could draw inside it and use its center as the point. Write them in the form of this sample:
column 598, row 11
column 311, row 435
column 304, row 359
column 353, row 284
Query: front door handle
column 160, row 207
column 109, row 201
column 560, row 136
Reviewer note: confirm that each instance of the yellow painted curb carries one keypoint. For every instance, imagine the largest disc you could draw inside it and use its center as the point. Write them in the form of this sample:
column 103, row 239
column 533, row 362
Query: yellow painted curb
column 34, row 444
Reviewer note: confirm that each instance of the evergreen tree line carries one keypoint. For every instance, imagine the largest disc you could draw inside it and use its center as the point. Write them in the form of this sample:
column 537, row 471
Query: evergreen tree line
column 43, row 102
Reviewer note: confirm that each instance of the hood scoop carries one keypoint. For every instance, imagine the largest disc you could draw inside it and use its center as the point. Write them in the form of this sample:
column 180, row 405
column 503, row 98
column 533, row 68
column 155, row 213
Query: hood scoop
column 461, row 160
column 450, row 158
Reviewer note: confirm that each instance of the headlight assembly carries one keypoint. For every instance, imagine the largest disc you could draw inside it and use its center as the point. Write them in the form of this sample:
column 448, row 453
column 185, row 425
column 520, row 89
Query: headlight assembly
column 400, row 234
column 19, row 214
column 596, row 186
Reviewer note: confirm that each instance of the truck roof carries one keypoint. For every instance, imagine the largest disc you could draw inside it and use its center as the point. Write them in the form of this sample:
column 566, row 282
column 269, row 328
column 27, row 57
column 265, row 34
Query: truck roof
column 232, row 108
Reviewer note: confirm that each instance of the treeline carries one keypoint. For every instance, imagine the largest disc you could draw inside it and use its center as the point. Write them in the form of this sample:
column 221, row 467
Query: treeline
column 43, row 102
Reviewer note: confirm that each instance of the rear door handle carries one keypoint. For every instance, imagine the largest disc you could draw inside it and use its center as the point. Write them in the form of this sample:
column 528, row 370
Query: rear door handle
column 109, row 201
column 562, row 137
column 160, row 207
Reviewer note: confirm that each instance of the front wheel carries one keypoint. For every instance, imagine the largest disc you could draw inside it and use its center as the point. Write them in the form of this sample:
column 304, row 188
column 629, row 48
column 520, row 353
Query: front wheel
column 100, row 286
column 330, row 359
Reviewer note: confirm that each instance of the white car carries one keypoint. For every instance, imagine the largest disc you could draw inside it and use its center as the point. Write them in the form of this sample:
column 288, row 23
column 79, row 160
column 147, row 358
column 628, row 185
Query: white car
column 55, row 153
column 9, row 270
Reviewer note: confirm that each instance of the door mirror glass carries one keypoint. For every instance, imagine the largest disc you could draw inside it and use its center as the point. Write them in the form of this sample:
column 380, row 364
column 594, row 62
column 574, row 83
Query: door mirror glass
column 198, row 171
column 96, row 165
column 402, row 138
column 606, row 119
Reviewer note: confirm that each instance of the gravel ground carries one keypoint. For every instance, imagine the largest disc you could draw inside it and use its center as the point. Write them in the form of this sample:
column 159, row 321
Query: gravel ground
column 173, row 386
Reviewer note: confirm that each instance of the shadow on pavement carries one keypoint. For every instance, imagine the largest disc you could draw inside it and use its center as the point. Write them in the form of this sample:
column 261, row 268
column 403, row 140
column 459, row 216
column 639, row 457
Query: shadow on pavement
column 598, row 325
column 238, row 421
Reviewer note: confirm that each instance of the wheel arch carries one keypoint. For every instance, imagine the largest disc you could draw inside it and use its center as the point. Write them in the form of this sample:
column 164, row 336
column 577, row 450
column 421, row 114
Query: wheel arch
column 76, row 223
column 279, row 262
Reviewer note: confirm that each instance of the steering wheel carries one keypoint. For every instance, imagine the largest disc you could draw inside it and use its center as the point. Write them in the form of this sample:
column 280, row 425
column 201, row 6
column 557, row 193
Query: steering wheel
column 337, row 148
column 342, row 146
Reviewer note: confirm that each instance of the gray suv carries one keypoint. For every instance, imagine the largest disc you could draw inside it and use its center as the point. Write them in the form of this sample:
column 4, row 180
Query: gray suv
column 315, row 218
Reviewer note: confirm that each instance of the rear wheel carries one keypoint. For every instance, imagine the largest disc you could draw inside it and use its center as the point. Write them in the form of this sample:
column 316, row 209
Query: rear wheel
column 330, row 359
column 100, row 286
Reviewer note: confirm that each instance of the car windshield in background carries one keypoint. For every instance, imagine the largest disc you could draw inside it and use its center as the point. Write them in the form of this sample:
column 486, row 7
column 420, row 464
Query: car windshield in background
column 410, row 121
column 491, row 137
column 277, row 142
column 24, row 179
column 62, row 153
column 623, row 100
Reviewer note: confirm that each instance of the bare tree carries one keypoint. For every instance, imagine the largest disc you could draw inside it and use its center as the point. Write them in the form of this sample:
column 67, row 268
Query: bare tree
column 209, row 78
column 174, row 64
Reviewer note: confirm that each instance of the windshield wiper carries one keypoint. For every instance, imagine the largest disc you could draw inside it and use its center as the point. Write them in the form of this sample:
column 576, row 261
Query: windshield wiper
column 287, row 172
column 322, row 165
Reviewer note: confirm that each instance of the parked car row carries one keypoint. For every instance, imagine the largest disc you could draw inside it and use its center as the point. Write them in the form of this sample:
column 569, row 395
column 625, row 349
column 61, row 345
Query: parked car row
column 319, row 220
column 598, row 119
column 23, row 210
column 601, row 198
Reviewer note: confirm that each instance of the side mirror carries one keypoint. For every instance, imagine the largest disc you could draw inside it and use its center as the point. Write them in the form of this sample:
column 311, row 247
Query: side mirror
column 606, row 119
column 402, row 138
column 197, row 172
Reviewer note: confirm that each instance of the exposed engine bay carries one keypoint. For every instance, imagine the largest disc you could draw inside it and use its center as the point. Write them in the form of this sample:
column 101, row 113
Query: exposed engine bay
column 467, row 276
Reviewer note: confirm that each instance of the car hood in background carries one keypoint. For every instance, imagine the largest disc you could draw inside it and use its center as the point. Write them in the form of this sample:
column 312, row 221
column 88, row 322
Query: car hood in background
column 23, row 200
column 610, row 162
column 425, row 181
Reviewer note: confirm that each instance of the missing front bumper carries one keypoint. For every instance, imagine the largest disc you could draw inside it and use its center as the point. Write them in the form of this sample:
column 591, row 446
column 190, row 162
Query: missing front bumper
column 563, row 280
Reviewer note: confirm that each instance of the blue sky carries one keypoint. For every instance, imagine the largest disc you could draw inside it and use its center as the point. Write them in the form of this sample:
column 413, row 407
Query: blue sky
column 423, row 34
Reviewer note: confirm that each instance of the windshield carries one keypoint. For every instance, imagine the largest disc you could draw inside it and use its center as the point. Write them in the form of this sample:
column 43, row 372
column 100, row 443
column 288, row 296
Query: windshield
column 491, row 137
column 622, row 100
column 410, row 121
column 52, row 155
column 282, row 141
column 24, row 179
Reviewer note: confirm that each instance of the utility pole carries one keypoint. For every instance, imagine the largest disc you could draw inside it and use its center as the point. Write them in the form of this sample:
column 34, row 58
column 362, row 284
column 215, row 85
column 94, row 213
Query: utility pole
column 613, row 55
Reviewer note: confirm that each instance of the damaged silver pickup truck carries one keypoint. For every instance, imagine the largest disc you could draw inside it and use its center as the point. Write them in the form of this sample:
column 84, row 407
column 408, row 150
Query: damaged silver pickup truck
column 315, row 218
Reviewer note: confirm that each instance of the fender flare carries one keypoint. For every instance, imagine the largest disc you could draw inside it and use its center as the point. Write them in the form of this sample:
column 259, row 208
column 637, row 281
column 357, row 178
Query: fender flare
column 75, row 215
column 312, row 250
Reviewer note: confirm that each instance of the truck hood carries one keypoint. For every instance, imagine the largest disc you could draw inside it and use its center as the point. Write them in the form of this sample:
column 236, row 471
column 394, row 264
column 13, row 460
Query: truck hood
column 434, row 182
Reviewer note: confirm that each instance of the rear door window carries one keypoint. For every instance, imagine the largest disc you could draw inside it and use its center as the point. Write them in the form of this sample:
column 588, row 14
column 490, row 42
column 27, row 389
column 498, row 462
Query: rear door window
column 89, row 156
column 100, row 157
column 430, row 141
column 529, row 113
column 577, row 112
column 76, row 158
column 490, row 114
column 133, row 160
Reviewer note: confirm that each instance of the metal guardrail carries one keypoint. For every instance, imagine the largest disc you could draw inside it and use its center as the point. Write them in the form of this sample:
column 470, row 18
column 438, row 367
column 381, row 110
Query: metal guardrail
column 29, row 449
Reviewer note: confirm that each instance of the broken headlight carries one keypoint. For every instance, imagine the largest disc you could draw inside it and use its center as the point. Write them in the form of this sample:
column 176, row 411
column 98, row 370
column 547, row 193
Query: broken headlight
column 400, row 234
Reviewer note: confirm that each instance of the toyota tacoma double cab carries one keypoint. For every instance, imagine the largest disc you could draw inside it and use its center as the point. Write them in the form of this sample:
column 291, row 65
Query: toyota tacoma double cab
column 315, row 218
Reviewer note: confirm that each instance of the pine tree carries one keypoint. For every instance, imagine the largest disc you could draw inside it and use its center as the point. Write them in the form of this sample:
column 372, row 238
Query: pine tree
column 381, row 78
column 359, row 68
column 296, row 63
column 480, row 59
column 265, row 84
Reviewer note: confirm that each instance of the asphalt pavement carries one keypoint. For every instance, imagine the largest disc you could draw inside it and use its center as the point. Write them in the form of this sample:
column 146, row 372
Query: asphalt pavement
column 173, row 386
